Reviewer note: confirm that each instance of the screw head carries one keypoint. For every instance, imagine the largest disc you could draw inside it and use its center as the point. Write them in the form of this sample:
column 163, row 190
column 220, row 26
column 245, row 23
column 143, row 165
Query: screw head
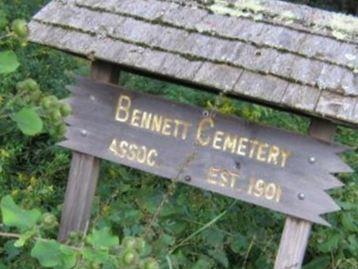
column 206, row 113
column 84, row 133
column 237, row 164
column 312, row 160
column 301, row 196
column 187, row 178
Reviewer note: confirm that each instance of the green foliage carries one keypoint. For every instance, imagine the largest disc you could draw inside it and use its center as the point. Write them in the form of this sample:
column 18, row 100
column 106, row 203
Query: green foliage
column 52, row 254
column 3, row 19
column 14, row 216
column 8, row 62
column 28, row 121
column 345, row 6
column 99, row 248
column 29, row 107
column 102, row 239
column 318, row 263
column 19, row 27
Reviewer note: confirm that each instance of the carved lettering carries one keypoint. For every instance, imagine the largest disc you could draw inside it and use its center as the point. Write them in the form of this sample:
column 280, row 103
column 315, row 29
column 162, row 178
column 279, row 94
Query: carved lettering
column 206, row 134
column 133, row 152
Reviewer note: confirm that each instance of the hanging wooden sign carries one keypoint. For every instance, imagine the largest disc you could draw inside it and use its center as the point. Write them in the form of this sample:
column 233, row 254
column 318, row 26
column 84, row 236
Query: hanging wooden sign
column 282, row 171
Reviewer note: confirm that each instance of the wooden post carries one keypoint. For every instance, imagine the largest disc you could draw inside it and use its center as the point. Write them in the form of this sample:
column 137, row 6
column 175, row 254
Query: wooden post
column 296, row 232
column 84, row 172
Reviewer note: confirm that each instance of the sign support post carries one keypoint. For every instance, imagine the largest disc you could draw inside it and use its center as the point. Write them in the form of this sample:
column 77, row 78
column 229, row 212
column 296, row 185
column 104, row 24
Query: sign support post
column 83, row 176
column 289, row 173
column 296, row 232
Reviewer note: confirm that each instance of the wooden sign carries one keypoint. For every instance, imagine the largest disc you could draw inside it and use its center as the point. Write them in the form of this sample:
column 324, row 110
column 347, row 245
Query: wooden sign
column 282, row 171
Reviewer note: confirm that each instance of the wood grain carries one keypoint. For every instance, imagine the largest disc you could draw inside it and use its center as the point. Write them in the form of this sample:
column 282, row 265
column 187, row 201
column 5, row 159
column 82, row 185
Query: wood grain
column 94, row 105
column 295, row 69
column 80, row 191
column 84, row 172
column 296, row 232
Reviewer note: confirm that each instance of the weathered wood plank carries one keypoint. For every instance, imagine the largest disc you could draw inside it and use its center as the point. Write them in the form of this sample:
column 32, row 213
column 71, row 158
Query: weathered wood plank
column 82, row 181
column 297, row 17
column 302, row 97
column 334, row 104
column 296, row 232
column 118, row 52
column 80, row 190
column 183, row 68
column 183, row 17
column 192, row 18
column 281, row 37
column 256, row 86
column 306, row 71
column 327, row 162
column 175, row 65
column 293, row 244
column 218, row 76
column 179, row 41
column 331, row 77
column 94, row 110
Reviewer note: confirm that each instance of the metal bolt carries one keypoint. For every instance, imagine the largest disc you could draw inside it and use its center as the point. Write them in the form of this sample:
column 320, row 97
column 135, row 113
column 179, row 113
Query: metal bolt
column 84, row 133
column 312, row 160
column 301, row 196
column 92, row 98
column 187, row 178
column 206, row 113
column 238, row 164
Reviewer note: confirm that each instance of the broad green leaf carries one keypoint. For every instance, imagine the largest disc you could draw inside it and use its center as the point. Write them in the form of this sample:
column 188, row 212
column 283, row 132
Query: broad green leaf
column 11, row 251
column 28, row 121
column 175, row 227
column 220, row 256
column 262, row 262
column 239, row 243
column 48, row 253
column 166, row 240
column 331, row 243
column 97, row 256
column 52, row 254
column 2, row 266
column 213, row 238
column 170, row 210
column 111, row 264
column 8, row 62
column 102, row 238
column 349, row 223
column 24, row 238
column 203, row 263
column 15, row 216
column 318, row 263
column 3, row 19
column 68, row 258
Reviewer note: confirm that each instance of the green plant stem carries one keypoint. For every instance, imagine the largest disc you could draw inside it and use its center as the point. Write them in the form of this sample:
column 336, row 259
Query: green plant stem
column 9, row 235
column 207, row 225
column 12, row 101
column 10, row 129
column 4, row 116
column 169, row 261
column 248, row 252
column 6, row 36
column 14, row 235
column 200, row 223
column 169, row 192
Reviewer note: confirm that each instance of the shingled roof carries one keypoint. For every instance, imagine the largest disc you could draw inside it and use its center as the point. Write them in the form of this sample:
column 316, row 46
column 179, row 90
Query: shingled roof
column 282, row 54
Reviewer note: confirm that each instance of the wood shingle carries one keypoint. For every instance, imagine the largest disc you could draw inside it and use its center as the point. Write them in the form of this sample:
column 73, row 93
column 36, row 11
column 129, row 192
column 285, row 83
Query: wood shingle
column 290, row 56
